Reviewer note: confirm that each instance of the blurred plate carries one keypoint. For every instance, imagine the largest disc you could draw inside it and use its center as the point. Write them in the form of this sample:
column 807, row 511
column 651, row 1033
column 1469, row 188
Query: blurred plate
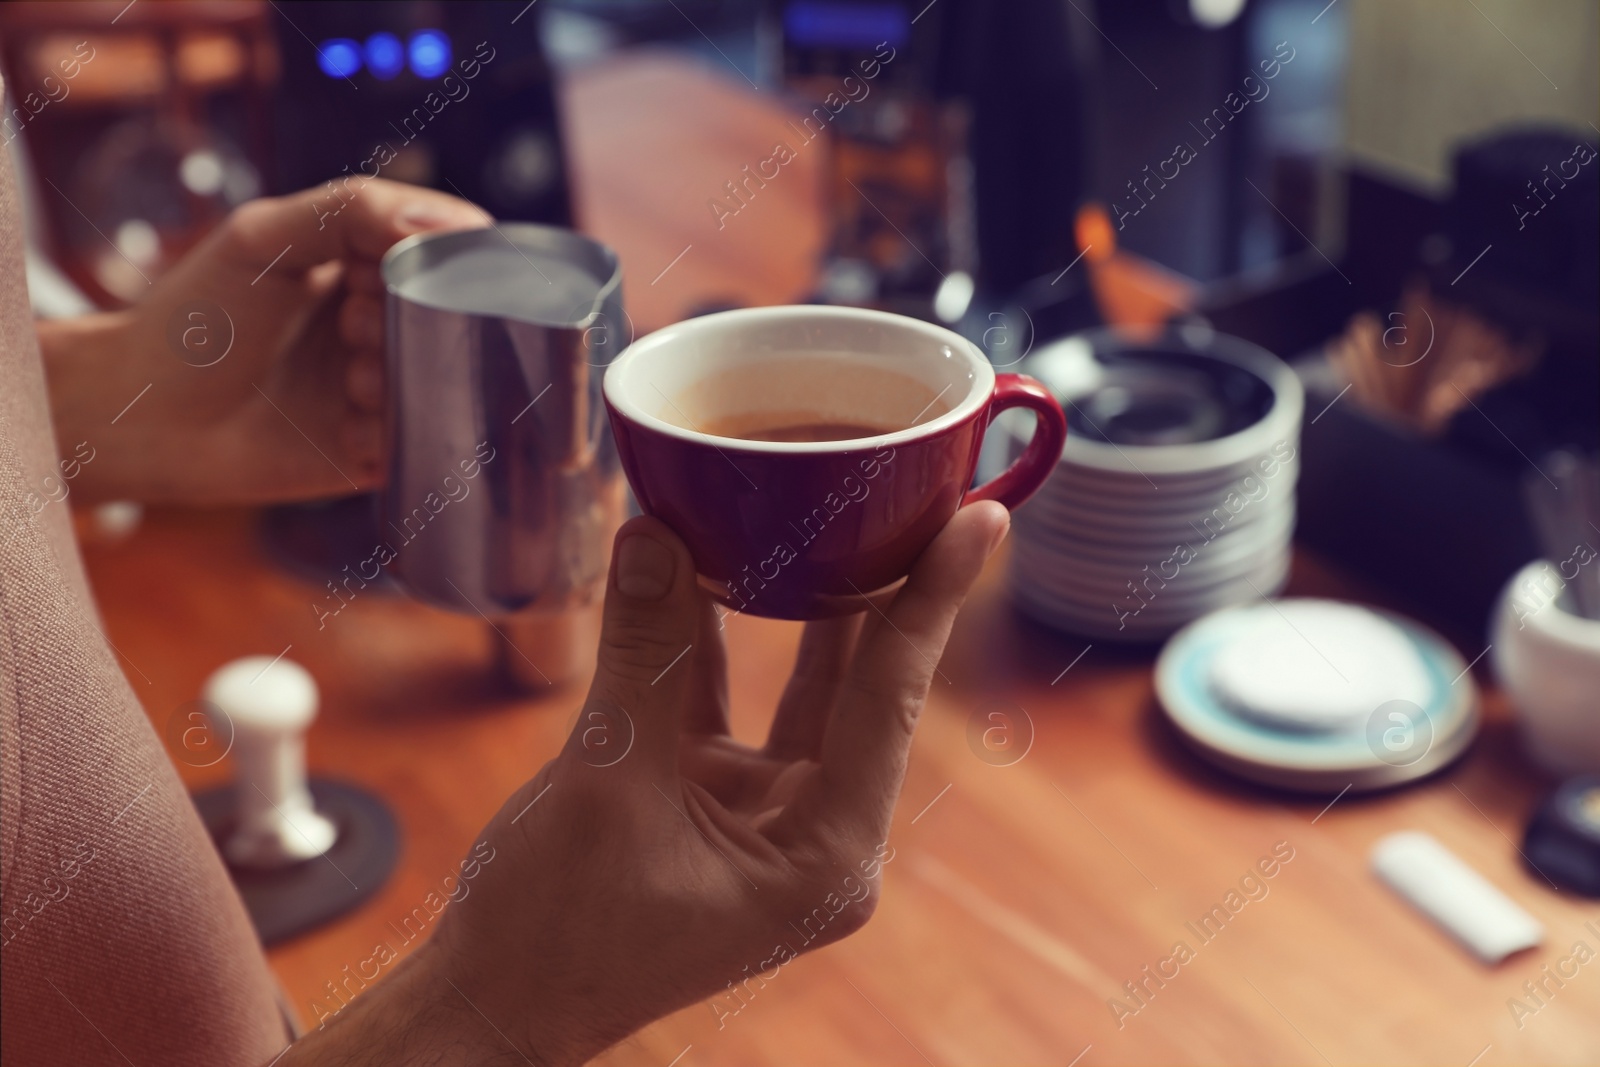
column 1090, row 582
column 1135, row 541
column 1384, row 751
column 1138, row 537
column 1055, row 552
column 1169, row 604
column 1167, row 501
column 1113, row 620
column 1189, row 399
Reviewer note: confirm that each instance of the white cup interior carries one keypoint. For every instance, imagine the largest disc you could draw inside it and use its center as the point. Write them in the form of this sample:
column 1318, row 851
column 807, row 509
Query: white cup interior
column 707, row 377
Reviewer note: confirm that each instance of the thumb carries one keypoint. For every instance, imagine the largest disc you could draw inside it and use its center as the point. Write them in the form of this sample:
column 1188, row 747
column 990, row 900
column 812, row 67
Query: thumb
column 647, row 637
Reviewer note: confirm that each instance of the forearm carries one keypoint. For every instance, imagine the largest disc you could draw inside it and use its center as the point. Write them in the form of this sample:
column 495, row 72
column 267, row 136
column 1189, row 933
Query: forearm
column 414, row 1018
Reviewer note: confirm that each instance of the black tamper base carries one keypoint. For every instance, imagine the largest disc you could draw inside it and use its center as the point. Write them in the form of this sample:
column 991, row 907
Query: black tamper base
column 291, row 900
column 1563, row 838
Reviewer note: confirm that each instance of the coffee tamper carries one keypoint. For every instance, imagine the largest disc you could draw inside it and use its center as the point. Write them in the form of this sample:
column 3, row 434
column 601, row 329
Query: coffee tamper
column 269, row 706
column 301, row 850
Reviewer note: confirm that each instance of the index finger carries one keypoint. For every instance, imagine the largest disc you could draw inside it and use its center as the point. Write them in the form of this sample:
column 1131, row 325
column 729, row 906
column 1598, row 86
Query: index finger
column 868, row 739
column 348, row 219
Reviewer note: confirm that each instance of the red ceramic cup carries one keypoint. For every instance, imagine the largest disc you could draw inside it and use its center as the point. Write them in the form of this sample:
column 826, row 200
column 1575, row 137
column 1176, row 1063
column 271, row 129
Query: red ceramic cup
column 809, row 529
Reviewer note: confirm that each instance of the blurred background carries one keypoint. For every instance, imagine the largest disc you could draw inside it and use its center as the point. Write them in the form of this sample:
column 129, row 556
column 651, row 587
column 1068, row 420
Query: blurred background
column 990, row 147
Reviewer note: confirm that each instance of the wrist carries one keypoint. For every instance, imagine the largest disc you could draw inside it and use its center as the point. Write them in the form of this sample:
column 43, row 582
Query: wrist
column 414, row 1016
column 79, row 355
column 92, row 375
column 510, row 1002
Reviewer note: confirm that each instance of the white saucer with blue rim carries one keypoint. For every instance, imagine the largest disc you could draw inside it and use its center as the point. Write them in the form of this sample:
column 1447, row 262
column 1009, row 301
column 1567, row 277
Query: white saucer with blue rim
column 1423, row 713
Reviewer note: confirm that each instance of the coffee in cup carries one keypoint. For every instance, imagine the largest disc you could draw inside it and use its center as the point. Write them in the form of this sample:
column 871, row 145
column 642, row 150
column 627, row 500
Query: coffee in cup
column 807, row 455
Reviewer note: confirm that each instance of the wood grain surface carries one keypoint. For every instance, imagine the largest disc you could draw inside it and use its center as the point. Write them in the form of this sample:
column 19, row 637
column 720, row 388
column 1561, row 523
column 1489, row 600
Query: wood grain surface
column 1021, row 897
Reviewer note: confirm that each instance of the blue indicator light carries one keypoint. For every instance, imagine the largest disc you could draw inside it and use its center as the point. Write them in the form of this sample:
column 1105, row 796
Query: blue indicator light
column 430, row 53
column 824, row 24
column 386, row 57
column 339, row 57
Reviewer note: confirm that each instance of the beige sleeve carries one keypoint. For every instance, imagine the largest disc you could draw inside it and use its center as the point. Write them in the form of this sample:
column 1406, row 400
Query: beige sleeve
column 121, row 937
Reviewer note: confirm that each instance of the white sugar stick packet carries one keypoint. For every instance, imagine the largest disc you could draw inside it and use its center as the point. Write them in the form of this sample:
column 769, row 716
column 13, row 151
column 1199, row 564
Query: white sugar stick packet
column 1441, row 886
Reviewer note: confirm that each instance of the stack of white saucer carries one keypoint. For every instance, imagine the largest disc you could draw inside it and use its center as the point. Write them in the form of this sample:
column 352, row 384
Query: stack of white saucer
column 1187, row 508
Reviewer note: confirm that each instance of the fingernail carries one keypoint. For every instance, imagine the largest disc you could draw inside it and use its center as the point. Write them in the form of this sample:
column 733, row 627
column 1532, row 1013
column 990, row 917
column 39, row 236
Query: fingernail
column 999, row 535
column 645, row 568
column 431, row 215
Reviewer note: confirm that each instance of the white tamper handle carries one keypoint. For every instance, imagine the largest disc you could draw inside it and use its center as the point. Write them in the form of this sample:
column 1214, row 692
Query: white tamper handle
column 1441, row 886
column 270, row 703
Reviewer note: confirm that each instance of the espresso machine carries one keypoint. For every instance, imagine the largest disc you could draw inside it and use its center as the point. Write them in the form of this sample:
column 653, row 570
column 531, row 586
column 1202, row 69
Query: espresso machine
column 520, row 542
column 957, row 159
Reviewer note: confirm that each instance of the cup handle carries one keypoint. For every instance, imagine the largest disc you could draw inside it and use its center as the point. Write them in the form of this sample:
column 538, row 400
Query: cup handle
column 1013, row 486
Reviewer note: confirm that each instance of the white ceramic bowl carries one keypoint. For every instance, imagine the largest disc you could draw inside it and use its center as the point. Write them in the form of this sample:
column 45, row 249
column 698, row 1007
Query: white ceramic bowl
column 1548, row 658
